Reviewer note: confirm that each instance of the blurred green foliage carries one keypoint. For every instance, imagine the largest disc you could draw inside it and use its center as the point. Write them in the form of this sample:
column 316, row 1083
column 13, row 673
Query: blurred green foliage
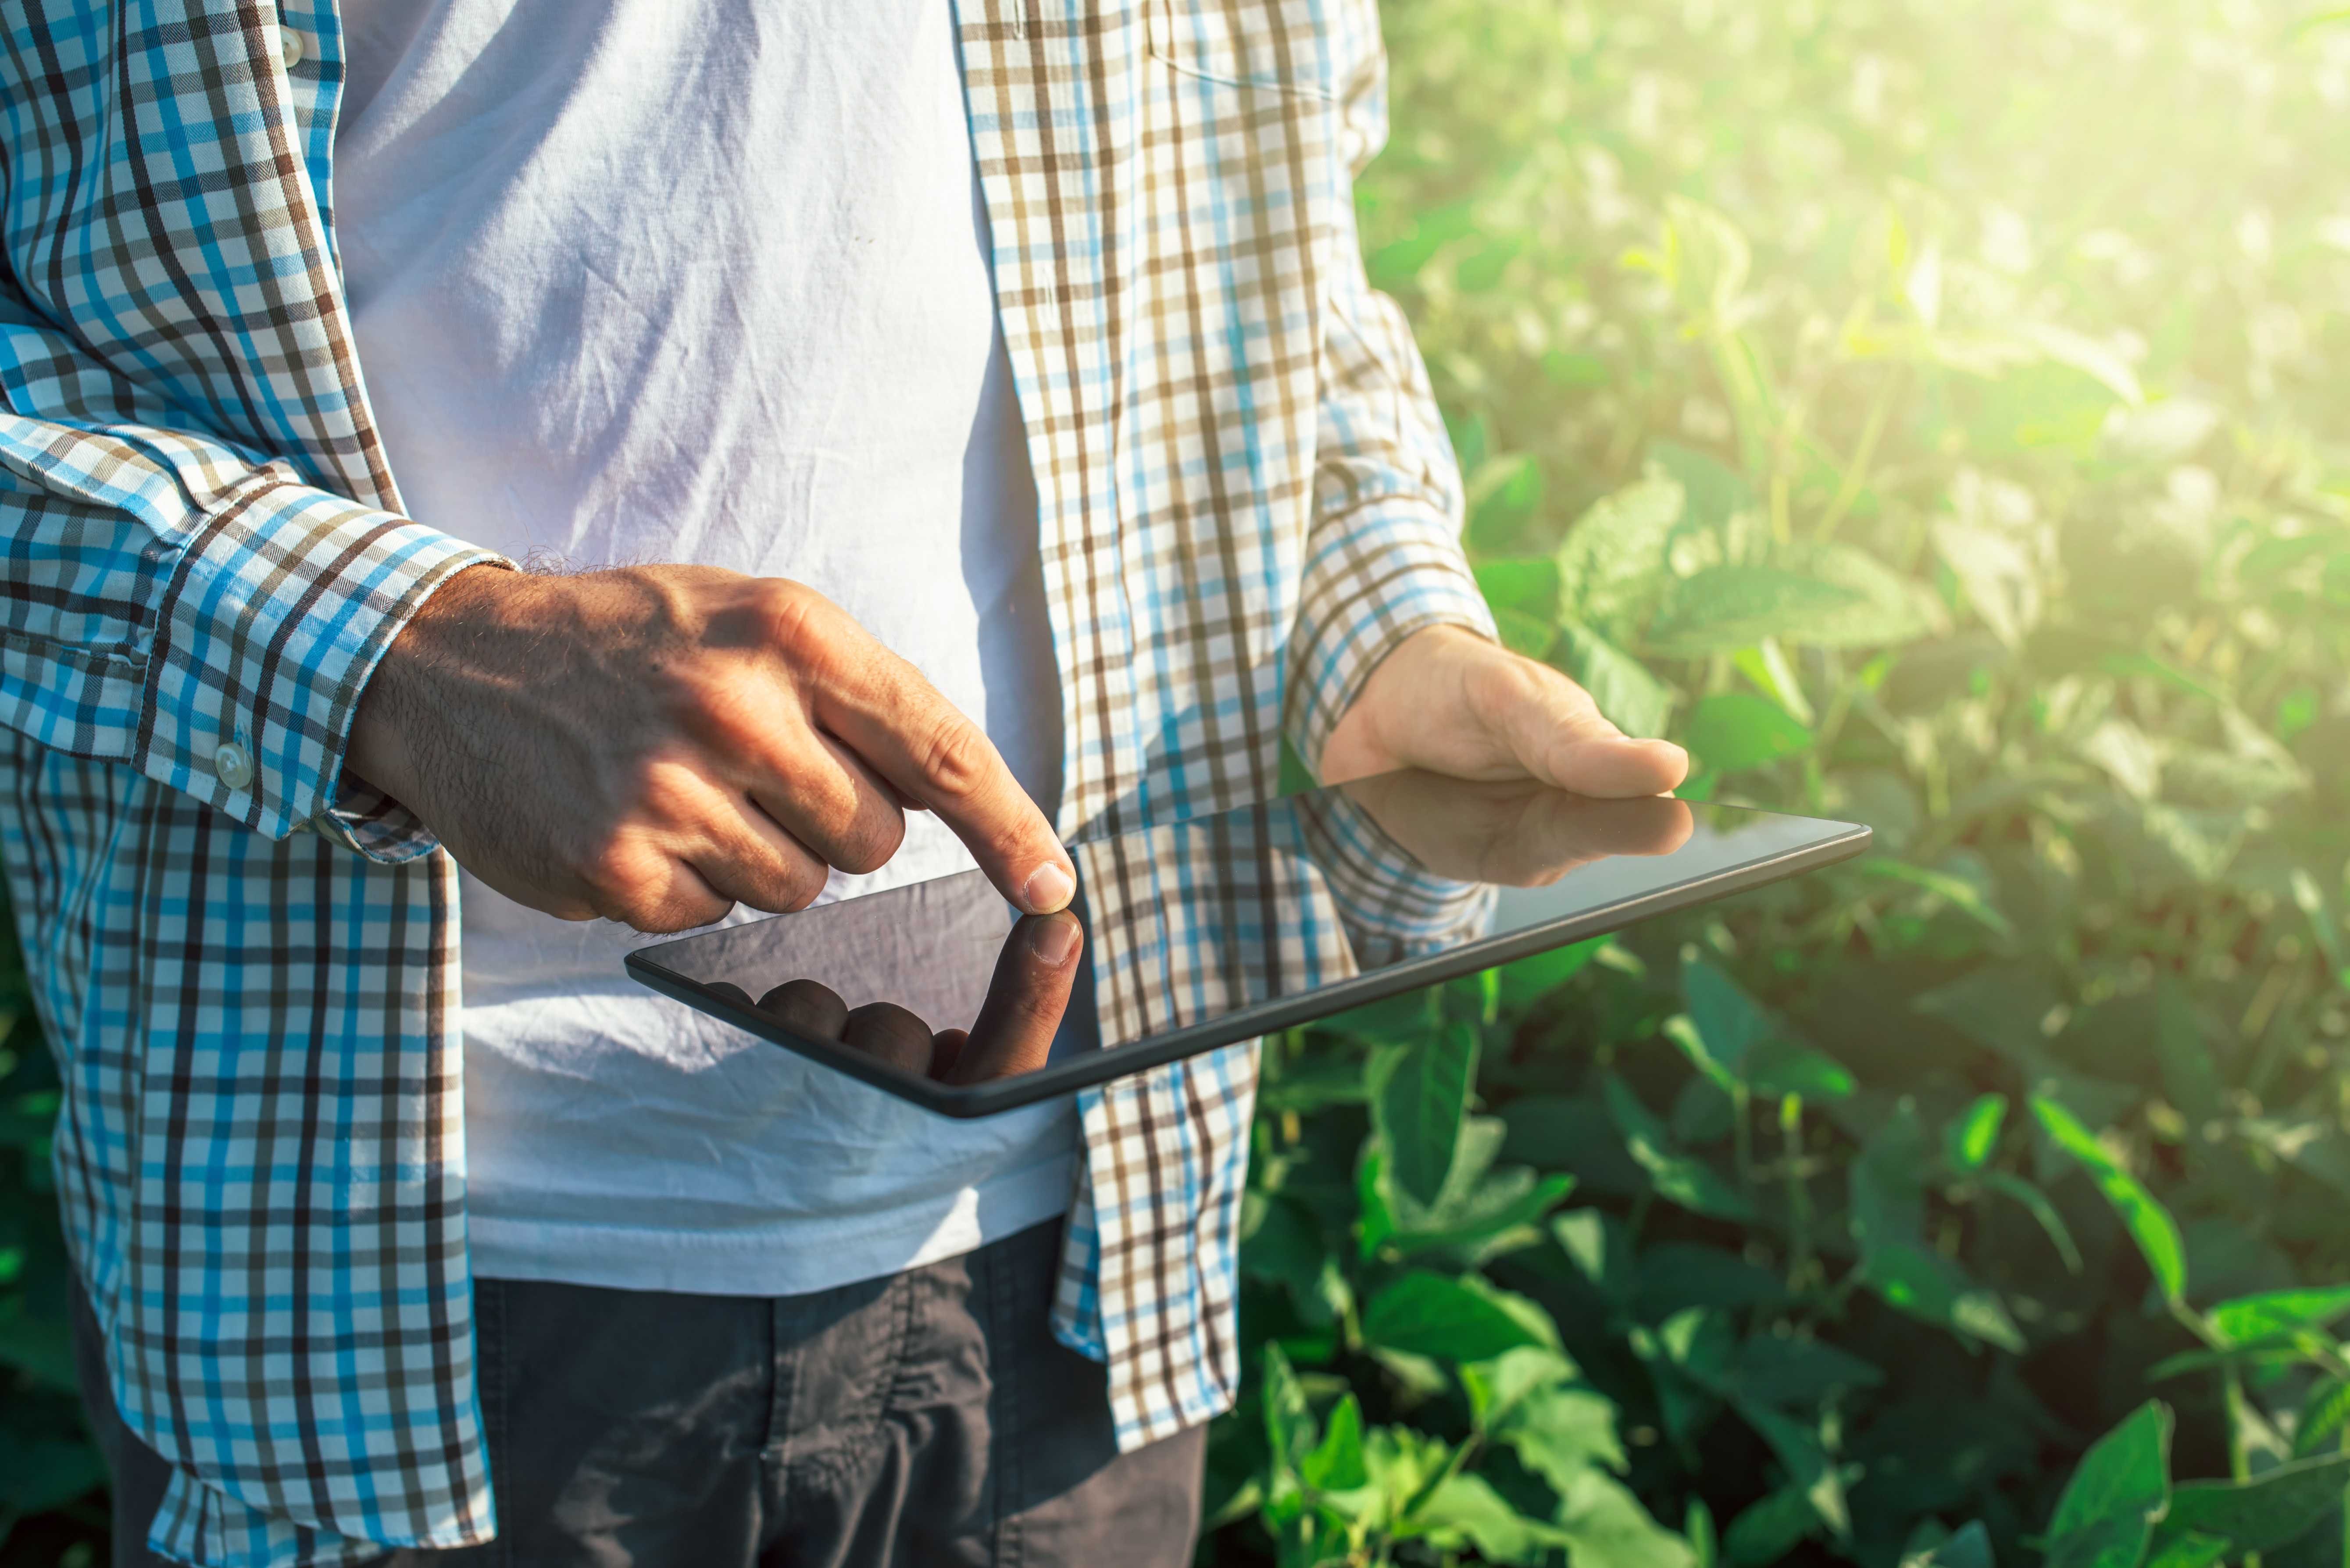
column 52, row 1501
column 1930, row 412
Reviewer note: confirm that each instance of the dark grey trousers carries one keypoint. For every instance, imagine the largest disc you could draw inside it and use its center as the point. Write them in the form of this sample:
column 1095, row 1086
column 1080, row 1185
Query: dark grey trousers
column 930, row 1417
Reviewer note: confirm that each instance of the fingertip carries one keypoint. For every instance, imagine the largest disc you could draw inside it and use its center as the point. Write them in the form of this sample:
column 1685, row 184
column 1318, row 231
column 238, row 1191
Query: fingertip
column 1670, row 759
column 1054, row 939
column 1618, row 767
column 1048, row 889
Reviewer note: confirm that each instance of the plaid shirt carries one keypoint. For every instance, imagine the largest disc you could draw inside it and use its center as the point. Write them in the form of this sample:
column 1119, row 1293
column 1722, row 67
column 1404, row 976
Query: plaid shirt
column 248, row 965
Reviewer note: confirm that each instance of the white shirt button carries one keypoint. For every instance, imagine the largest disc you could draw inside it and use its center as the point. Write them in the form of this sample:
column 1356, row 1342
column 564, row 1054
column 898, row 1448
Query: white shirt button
column 290, row 45
column 234, row 764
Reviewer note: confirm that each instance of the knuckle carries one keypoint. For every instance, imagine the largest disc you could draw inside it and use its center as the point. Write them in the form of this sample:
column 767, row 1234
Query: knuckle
column 869, row 840
column 720, row 715
column 659, row 920
column 797, row 619
column 800, row 885
column 955, row 757
column 614, row 871
column 667, row 793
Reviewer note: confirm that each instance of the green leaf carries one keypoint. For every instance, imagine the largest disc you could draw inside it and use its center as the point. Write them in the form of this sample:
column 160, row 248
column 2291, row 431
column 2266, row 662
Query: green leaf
column 1802, row 1453
column 1678, row 1178
column 1886, row 1187
column 1635, row 702
column 1288, row 1421
column 1704, row 259
column 2078, row 351
column 1528, row 980
column 1402, row 1020
column 2322, row 1415
column 1559, row 1432
column 1734, row 730
column 2188, row 1550
column 1766, row 665
column 2272, row 1511
column 1969, row 1142
column 1765, row 1532
column 2117, row 1492
column 1961, row 894
column 1998, row 575
column 1282, row 1243
column 1465, row 1509
column 1419, row 1096
column 38, row 1473
column 1712, row 488
column 1403, row 1463
column 1496, row 1389
column 1730, row 1022
column 2249, row 1318
column 1435, row 1315
column 1526, row 582
column 1603, row 1525
column 1611, row 564
column 1796, row 1374
column 2189, row 1073
column 1969, row 1547
column 1721, row 610
column 1886, row 608
column 1503, row 497
column 1310, row 1083
column 1780, row 1066
column 1530, row 634
column 1594, row 1241
column 1336, row 1464
column 2148, row 1221
column 2323, row 18
column 1907, row 1276
column 1500, row 1212
column 2036, row 1203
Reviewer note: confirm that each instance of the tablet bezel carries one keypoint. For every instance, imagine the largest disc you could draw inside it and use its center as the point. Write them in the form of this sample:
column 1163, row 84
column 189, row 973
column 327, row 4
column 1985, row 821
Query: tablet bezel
column 968, row 1101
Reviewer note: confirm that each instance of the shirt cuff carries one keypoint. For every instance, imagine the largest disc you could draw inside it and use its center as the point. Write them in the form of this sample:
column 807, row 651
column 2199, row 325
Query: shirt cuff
column 1374, row 578
column 268, row 631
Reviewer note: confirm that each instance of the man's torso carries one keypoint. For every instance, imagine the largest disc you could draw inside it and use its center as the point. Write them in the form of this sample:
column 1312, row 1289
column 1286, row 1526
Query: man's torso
column 704, row 281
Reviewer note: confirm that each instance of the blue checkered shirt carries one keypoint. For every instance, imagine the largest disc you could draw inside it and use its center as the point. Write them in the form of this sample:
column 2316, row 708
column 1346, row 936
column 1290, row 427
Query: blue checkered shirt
column 246, row 963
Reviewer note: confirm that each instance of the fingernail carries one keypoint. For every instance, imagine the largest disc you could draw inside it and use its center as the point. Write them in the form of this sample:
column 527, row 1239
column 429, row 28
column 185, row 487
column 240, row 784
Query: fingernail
column 1055, row 940
column 1049, row 888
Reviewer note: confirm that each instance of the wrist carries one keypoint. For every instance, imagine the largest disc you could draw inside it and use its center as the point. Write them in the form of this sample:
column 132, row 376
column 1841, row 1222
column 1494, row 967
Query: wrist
column 378, row 750
column 1393, row 697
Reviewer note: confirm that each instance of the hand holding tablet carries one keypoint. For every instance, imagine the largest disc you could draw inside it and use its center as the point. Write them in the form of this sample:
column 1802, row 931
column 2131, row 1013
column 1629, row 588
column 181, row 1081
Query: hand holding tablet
column 1201, row 932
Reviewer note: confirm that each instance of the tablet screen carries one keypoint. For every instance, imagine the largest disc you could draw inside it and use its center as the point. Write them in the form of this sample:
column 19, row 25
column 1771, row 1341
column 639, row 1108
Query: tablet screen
column 1216, row 929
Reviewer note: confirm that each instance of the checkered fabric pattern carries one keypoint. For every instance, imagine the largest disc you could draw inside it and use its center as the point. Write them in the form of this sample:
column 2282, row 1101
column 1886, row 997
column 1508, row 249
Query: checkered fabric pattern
column 247, row 967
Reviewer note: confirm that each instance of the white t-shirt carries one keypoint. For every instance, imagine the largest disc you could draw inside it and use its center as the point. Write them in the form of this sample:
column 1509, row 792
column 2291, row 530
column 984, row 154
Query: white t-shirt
column 704, row 280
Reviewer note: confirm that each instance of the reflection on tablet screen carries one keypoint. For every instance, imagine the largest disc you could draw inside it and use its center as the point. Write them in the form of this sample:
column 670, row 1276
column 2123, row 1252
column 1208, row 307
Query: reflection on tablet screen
column 1195, row 920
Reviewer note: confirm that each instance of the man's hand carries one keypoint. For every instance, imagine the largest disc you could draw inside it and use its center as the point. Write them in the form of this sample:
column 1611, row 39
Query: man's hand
column 1447, row 700
column 658, row 744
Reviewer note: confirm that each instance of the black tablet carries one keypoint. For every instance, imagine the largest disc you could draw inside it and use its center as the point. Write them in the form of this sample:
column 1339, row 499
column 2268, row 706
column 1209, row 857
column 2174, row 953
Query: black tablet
column 1216, row 929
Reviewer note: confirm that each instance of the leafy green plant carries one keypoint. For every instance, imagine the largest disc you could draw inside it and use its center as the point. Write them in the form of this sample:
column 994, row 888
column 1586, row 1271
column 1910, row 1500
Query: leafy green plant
column 1929, row 413
column 49, row 1472
column 1925, row 413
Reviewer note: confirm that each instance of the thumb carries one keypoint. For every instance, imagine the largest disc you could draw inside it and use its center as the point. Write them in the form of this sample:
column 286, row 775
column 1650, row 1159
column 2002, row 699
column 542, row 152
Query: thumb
column 1560, row 736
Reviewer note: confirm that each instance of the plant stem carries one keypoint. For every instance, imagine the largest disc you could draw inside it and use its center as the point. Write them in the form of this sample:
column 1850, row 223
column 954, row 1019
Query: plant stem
column 1855, row 474
column 1799, row 1194
column 1742, row 1128
column 2239, row 1457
